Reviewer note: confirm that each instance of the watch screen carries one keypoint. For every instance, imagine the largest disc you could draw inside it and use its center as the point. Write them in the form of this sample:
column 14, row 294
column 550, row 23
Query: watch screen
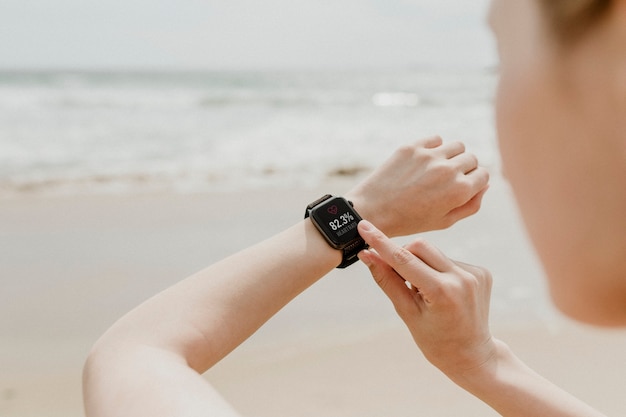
column 338, row 220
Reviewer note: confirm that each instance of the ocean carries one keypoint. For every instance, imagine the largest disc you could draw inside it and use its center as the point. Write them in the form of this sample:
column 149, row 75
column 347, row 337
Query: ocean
column 77, row 132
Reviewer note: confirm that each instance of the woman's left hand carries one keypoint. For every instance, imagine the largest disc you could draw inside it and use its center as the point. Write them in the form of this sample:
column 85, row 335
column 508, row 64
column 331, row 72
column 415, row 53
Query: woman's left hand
column 423, row 186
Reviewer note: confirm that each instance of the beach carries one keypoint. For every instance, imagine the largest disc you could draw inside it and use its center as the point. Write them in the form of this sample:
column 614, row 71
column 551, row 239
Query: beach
column 73, row 264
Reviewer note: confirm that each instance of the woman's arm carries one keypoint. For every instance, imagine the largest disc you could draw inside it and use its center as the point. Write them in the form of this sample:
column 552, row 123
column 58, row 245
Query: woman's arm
column 445, row 305
column 150, row 361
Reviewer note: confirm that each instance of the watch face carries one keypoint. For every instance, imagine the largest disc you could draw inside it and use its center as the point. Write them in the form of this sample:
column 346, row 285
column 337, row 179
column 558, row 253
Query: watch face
column 337, row 220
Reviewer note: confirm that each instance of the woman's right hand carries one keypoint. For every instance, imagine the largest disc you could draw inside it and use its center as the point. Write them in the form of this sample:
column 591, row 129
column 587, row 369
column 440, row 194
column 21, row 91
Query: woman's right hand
column 445, row 304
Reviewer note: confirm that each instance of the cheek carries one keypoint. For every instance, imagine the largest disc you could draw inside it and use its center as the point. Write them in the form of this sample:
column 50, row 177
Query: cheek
column 530, row 154
column 529, row 127
column 515, row 127
column 564, row 182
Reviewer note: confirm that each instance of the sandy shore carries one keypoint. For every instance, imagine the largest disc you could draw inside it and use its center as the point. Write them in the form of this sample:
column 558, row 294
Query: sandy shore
column 71, row 265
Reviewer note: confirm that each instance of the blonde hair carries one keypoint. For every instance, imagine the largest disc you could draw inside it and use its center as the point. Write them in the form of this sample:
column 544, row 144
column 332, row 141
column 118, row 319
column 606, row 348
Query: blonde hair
column 570, row 19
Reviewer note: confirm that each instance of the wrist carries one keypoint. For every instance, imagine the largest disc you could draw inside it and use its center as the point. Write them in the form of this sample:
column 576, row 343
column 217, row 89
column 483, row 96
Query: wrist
column 510, row 387
column 336, row 220
column 328, row 256
column 482, row 376
column 368, row 211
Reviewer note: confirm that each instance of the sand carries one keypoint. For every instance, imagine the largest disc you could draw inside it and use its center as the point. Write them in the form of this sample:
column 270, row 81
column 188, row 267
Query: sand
column 70, row 266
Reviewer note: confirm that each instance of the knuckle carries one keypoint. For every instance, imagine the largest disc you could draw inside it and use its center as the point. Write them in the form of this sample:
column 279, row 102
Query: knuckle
column 464, row 186
column 467, row 190
column 461, row 190
column 442, row 170
column 402, row 256
column 418, row 245
column 405, row 151
column 465, row 282
column 479, row 176
column 444, row 292
column 469, row 283
column 475, row 277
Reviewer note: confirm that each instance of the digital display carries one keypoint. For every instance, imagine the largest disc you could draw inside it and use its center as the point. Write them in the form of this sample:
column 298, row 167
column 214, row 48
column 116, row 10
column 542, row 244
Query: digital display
column 338, row 220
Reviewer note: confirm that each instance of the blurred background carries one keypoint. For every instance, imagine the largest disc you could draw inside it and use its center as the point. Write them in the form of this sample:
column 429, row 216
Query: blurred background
column 192, row 95
column 143, row 140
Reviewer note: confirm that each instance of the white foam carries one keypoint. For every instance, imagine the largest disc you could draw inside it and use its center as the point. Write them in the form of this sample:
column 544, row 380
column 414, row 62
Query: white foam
column 114, row 132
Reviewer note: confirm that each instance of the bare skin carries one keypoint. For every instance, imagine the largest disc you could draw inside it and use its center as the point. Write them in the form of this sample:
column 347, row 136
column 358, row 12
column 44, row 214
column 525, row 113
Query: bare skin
column 446, row 308
column 150, row 362
column 562, row 133
column 561, row 114
column 561, row 118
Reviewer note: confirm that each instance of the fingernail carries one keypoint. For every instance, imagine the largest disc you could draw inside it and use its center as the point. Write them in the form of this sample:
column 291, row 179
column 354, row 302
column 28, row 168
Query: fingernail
column 367, row 226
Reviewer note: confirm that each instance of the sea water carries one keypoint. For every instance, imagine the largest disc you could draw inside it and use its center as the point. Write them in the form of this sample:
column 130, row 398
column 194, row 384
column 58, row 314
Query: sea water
column 118, row 132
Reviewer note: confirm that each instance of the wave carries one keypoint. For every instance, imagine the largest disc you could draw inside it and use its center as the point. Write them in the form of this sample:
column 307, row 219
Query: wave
column 396, row 99
column 111, row 99
column 218, row 89
column 95, row 132
column 284, row 100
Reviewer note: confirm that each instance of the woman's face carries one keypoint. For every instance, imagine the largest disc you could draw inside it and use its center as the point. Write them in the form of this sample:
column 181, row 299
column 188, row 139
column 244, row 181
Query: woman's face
column 561, row 120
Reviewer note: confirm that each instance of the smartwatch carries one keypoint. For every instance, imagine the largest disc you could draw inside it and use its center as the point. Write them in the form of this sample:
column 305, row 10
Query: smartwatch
column 337, row 221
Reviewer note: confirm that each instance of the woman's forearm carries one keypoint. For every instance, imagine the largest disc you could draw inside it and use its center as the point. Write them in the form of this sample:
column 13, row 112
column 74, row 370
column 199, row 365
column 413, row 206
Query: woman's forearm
column 421, row 187
column 446, row 309
column 150, row 361
column 514, row 390
column 207, row 315
column 163, row 345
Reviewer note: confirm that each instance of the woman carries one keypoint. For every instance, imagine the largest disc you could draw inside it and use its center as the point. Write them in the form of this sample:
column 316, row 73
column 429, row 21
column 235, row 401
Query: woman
column 150, row 362
column 561, row 115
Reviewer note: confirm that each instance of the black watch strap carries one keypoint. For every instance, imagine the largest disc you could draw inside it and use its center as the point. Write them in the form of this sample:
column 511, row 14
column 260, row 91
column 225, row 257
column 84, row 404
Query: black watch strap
column 351, row 250
column 316, row 203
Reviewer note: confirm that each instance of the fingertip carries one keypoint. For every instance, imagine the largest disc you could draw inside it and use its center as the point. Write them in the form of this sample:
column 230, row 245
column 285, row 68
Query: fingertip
column 366, row 257
column 370, row 233
column 431, row 142
column 366, row 227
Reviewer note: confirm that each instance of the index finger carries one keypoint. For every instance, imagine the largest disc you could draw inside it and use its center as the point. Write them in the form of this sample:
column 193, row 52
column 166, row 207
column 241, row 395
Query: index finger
column 405, row 263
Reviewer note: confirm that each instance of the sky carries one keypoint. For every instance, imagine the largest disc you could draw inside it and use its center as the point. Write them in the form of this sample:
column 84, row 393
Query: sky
column 244, row 34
